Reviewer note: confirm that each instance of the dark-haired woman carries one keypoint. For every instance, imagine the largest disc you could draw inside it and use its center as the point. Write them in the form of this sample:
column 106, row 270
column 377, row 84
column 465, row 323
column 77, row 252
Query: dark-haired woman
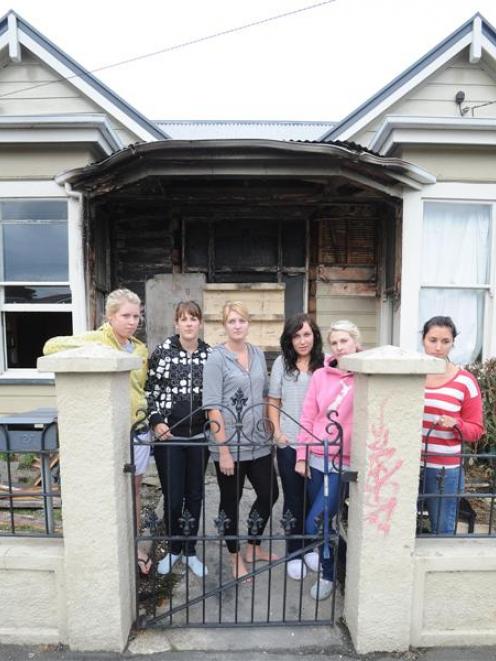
column 174, row 390
column 452, row 411
column 301, row 345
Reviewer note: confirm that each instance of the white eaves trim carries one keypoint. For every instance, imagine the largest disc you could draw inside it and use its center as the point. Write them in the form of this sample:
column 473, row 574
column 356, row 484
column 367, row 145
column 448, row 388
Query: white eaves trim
column 396, row 130
column 14, row 47
column 412, row 83
column 476, row 45
column 92, row 128
column 85, row 88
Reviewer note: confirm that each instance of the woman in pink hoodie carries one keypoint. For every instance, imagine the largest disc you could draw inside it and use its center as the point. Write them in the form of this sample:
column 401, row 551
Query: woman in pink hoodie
column 330, row 389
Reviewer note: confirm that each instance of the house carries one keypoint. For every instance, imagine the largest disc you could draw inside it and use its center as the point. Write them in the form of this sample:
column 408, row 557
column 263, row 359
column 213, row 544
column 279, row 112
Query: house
column 385, row 217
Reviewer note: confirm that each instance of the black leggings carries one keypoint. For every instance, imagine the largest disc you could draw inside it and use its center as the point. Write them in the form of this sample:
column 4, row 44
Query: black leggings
column 181, row 469
column 262, row 476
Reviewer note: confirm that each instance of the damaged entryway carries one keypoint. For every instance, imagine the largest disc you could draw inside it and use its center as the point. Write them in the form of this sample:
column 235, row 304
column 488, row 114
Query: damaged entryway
column 324, row 220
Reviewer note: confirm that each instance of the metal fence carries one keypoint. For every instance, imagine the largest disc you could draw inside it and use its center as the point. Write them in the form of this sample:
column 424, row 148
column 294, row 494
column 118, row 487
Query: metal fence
column 457, row 494
column 220, row 596
column 29, row 475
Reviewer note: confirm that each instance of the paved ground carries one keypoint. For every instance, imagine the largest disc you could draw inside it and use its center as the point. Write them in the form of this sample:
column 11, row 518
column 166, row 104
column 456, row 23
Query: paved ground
column 291, row 653
column 270, row 596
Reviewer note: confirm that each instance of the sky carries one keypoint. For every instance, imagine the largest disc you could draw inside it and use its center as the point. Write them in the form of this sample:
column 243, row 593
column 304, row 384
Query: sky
column 318, row 64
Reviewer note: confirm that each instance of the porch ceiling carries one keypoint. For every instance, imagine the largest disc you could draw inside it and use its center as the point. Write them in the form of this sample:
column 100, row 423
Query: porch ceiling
column 345, row 168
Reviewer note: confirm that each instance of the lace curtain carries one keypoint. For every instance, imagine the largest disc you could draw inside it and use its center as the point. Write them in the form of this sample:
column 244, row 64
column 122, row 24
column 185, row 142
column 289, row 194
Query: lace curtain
column 456, row 244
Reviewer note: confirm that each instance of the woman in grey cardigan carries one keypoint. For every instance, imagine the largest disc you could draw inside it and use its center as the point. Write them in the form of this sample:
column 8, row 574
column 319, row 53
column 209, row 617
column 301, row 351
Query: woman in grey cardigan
column 232, row 366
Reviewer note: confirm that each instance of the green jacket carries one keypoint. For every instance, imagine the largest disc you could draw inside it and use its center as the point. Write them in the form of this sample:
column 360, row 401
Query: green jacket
column 105, row 335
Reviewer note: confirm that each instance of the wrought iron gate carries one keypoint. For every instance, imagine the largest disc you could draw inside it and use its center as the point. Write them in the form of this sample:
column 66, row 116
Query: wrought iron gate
column 265, row 596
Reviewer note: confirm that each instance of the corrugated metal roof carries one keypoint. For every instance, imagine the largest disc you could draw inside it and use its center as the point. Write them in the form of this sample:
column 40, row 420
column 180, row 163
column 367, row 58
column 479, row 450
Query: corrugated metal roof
column 180, row 129
column 224, row 157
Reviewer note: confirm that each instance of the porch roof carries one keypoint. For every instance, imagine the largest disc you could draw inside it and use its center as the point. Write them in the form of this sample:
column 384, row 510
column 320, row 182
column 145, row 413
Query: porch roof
column 246, row 158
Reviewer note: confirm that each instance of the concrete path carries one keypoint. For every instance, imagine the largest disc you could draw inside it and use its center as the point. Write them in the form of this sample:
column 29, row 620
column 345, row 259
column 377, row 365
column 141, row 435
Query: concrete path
column 269, row 597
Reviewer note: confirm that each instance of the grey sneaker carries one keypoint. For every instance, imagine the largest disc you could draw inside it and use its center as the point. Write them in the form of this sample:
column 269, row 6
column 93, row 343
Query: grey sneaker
column 322, row 589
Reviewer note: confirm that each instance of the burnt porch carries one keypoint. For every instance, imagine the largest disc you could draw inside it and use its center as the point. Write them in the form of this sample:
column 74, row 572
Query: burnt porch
column 322, row 219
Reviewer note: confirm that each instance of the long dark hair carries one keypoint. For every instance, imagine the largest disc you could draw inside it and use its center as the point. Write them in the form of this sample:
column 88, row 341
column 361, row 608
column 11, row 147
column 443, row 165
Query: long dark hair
column 442, row 322
column 289, row 355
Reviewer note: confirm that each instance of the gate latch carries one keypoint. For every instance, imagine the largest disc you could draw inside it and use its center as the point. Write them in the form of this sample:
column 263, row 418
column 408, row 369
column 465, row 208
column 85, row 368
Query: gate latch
column 129, row 468
column 350, row 476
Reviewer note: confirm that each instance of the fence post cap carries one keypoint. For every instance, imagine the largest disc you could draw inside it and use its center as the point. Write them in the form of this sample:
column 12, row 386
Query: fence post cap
column 391, row 360
column 90, row 358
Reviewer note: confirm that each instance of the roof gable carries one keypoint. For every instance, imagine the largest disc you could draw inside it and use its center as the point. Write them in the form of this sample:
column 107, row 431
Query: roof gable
column 16, row 32
column 476, row 33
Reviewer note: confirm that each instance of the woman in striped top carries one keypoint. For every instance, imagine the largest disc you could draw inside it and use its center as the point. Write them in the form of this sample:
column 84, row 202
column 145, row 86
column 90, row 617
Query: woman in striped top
column 452, row 413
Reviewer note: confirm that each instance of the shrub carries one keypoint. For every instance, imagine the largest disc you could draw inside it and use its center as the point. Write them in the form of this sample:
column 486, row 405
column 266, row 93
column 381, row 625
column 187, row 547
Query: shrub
column 485, row 373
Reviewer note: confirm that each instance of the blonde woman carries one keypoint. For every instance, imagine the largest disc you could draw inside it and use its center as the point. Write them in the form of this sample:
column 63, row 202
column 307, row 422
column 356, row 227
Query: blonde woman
column 330, row 389
column 236, row 366
column 123, row 313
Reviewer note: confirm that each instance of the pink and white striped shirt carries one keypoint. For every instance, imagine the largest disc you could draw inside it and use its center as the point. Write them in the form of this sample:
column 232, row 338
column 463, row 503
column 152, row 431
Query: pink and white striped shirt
column 459, row 398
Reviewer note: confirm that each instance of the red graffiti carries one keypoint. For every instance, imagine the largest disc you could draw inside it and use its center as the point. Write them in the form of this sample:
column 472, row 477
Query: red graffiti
column 381, row 489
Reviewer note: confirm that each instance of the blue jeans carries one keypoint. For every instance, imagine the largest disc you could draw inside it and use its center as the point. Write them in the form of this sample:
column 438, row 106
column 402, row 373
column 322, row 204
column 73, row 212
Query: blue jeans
column 293, row 487
column 442, row 511
column 315, row 488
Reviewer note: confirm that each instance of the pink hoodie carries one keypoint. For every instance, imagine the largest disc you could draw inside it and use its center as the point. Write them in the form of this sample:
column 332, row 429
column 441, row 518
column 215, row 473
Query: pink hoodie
column 330, row 389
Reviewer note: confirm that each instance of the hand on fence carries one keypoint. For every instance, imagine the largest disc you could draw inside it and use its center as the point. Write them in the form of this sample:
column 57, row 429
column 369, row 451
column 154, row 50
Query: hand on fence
column 281, row 439
column 162, row 431
column 447, row 421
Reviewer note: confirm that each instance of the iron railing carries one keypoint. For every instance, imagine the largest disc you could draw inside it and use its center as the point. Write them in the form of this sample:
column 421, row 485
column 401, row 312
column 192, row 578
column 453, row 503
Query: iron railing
column 29, row 480
column 467, row 487
column 265, row 596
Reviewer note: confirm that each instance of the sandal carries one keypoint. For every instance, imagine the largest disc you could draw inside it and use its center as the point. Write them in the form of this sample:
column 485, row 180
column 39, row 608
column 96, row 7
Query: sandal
column 145, row 565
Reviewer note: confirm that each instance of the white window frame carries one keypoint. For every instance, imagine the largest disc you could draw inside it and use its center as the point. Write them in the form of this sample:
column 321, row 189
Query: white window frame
column 39, row 190
column 411, row 272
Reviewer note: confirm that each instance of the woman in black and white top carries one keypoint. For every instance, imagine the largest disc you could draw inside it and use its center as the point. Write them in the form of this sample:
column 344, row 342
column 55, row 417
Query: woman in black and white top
column 174, row 392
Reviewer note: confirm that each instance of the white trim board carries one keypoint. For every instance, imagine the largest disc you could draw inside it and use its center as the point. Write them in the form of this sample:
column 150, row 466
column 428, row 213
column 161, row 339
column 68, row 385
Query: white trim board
column 397, row 129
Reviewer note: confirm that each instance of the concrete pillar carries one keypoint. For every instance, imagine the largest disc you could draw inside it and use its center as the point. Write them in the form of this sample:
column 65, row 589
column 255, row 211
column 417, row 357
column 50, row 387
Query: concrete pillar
column 386, row 445
column 92, row 390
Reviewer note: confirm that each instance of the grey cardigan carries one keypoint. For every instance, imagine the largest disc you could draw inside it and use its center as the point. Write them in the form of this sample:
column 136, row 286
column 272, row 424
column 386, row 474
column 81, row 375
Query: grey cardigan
column 222, row 376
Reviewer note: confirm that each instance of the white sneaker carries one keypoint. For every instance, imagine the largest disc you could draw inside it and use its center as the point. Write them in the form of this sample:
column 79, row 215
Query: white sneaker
column 164, row 567
column 196, row 565
column 321, row 589
column 296, row 569
column 312, row 560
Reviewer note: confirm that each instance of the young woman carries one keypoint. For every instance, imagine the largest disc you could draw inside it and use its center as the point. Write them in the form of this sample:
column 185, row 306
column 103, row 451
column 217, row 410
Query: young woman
column 123, row 313
column 232, row 366
column 330, row 389
column 174, row 391
column 301, row 346
column 452, row 413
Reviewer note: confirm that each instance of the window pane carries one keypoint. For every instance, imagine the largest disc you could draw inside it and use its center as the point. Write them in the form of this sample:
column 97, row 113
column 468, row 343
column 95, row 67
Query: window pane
column 257, row 249
column 294, row 243
column 38, row 295
column 466, row 308
column 456, row 244
column 35, row 251
column 33, row 210
column 27, row 332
